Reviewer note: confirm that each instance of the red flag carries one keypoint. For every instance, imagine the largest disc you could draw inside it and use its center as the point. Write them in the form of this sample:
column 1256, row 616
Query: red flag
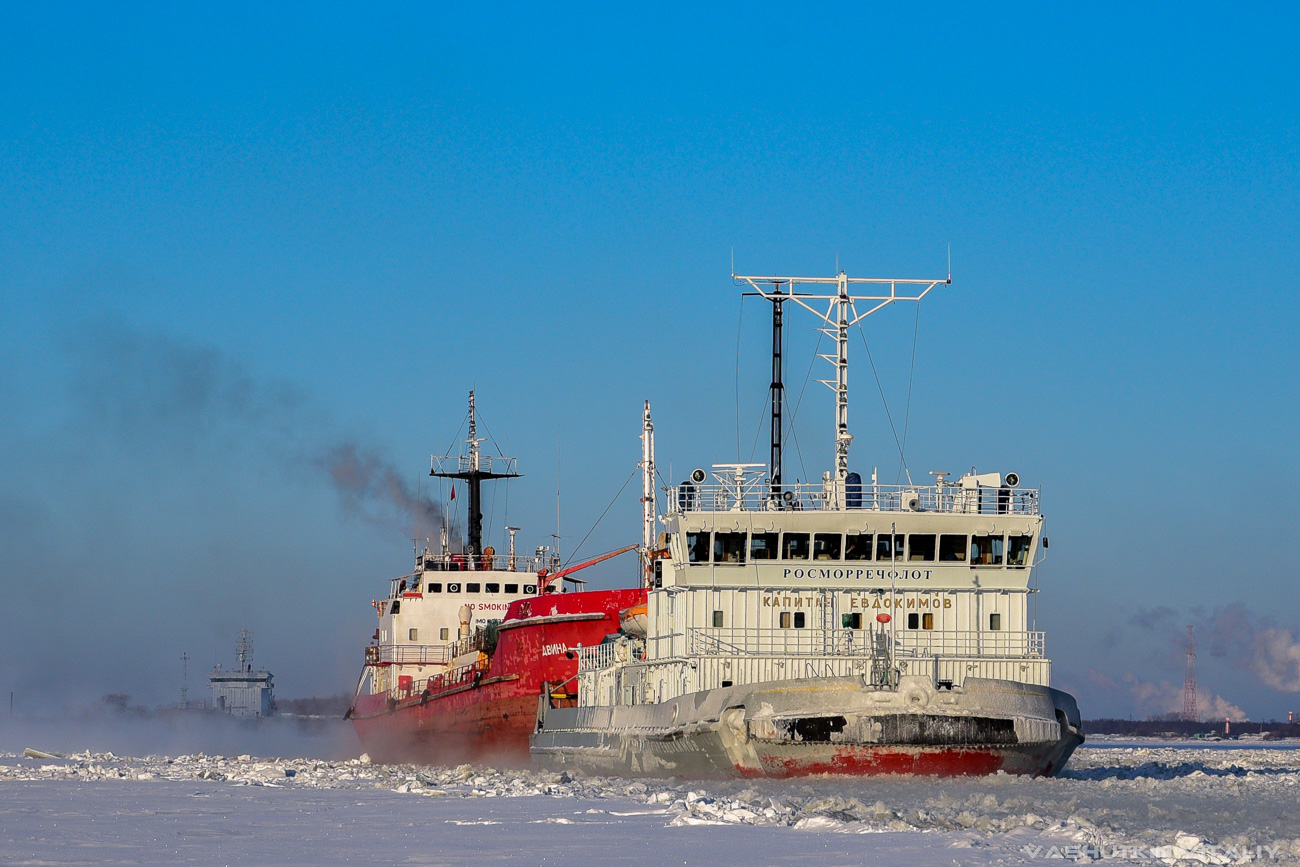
column 453, row 492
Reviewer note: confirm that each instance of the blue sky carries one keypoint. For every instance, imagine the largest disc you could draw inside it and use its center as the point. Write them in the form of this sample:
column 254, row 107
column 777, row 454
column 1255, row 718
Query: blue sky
column 238, row 238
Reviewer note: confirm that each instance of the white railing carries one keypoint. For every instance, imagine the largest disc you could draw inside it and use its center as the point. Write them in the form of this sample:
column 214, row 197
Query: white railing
column 857, row 642
column 818, row 497
column 408, row 654
column 596, row 656
column 465, row 463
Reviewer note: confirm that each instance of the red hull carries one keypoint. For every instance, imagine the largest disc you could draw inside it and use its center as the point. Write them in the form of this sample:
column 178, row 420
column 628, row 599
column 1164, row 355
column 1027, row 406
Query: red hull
column 491, row 717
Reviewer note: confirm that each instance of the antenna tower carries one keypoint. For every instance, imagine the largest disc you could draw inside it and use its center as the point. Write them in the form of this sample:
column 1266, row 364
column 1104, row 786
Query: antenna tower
column 244, row 649
column 1190, row 712
column 835, row 301
column 185, row 681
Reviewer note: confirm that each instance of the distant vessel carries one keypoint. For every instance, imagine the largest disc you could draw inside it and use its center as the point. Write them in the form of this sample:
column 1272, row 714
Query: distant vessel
column 844, row 627
column 241, row 691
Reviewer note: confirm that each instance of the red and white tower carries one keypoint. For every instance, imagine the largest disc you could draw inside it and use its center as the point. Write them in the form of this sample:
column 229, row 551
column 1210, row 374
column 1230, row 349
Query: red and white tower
column 1189, row 682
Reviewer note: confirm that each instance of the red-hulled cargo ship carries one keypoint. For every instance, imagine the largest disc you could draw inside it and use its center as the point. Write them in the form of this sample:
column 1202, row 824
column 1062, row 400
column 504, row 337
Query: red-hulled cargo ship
column 470, row 641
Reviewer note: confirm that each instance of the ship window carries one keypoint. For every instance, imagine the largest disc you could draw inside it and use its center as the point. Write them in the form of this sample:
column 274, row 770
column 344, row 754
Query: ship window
column 927, row 621
column 717, row 619
column 530, row 589
column 729, row 548
column 453, row 587
column 920, row 546
column 435, row 588
column 473, row 587
column 857, row 546
column 913, row 621
column 697, row 547
column 826, row 546
column 799, row 619
column 785, row 619
column 795, row 546
column 413, row 634
column 952, row 549
column 762, row 546
column 986, row 551
column 851, row 621
column 444, row 634
column 493, row 588
column 395, row 607
column 1018, row 550
column 512, row 588
column 995, row 621
column 884, row 551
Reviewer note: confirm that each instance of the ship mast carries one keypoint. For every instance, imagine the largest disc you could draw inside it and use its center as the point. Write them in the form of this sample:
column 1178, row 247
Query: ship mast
column 473, row 468
column 840, row 314
column 647, row 497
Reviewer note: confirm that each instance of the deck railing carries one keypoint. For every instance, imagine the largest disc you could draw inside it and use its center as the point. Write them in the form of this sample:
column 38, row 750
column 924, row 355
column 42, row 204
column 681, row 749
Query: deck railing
column 856, row 642
column 408, row 654
column 832, row 496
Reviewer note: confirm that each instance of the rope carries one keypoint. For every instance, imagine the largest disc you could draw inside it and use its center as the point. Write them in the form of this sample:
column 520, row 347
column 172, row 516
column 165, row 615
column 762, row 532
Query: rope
column 602, row 515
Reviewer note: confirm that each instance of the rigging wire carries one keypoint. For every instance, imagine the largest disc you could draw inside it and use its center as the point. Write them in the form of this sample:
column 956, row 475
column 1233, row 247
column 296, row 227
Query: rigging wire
column 740, row 318
column 795, row 411
column 907, row 415
column 602, row 515
column 881, row 388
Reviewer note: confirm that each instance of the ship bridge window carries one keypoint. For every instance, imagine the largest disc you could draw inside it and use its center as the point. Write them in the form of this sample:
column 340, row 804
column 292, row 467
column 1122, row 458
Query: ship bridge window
column 920, row 621
column 512, row 588
column 952, row 549
column 530, row 589
column 920, row 546
column 851, row 621
column 857, row 546
column 729, row 548
column 453, row 587
column 986, row 551
column 493, row 588
column 794, row 546
column 473, row 587
column 435, row 587
column 717, row 619
column 1018, row 551
column 412, row 634
column 995, row 622
column 887, row 551
column 762, row 546
column 697, row 547
column 799, row 619
column 395, row 607
column 796, row 619
column 826, row 546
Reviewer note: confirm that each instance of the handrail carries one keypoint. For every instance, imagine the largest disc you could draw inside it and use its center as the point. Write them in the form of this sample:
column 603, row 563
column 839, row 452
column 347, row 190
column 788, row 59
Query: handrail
column 834, row 496
column 408, row 654
column 853, row 642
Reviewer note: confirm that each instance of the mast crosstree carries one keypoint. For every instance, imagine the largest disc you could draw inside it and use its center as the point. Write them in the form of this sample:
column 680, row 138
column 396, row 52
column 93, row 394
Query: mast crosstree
column 473, row 467
column 840, row 314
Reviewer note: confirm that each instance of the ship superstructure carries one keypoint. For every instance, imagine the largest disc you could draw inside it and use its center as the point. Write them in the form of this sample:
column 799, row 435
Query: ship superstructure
column 242, row 691
column 843, row 626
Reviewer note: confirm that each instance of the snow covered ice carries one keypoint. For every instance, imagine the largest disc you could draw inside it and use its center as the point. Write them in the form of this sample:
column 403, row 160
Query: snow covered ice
column 1132, row 802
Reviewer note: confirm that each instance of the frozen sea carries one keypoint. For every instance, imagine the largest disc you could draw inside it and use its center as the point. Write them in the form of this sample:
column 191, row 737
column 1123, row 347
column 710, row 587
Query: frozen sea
column 298, row 794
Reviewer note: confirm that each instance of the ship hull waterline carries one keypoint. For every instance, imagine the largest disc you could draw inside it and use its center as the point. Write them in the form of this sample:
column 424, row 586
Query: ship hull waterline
column 819, row 726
